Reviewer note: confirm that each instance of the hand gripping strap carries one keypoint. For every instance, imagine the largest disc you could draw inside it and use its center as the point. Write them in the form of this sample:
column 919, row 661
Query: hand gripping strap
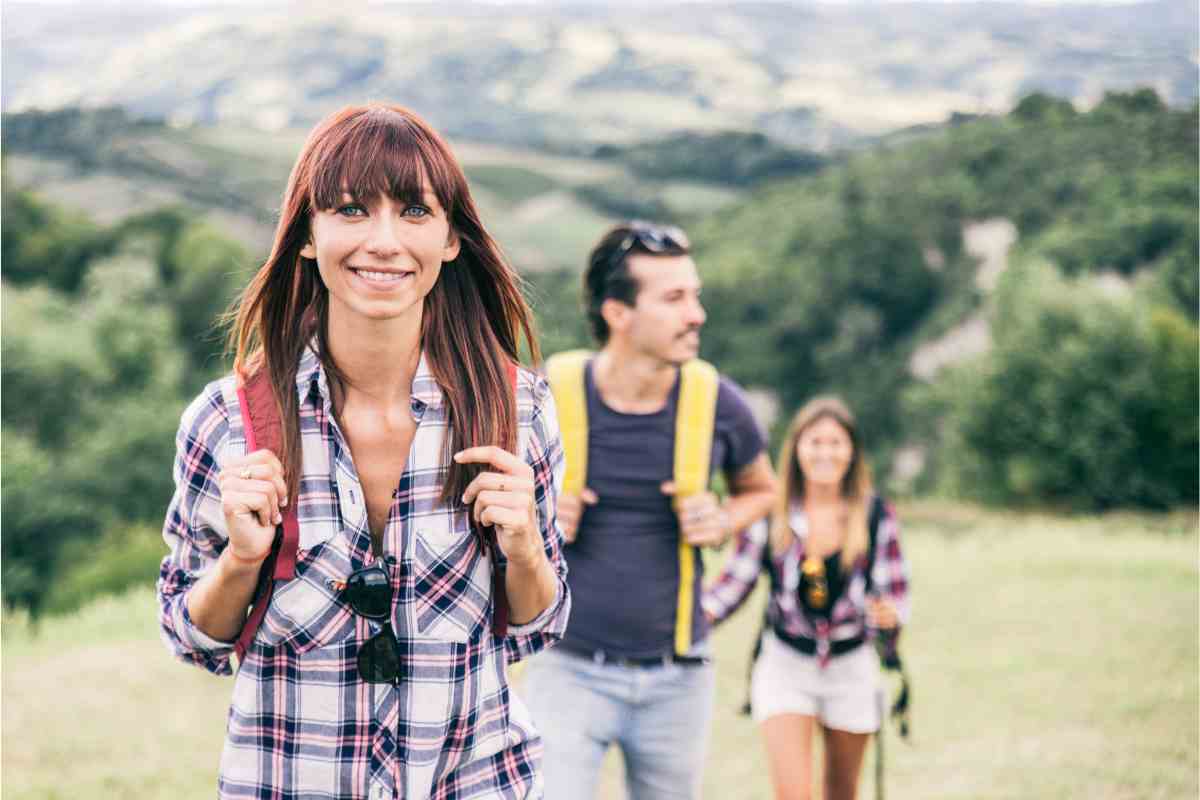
column 260, row 422
column 695, row 419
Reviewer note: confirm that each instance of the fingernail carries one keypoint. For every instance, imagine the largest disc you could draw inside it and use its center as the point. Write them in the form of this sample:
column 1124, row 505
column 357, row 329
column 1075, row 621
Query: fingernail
column 464, row 497
column 278, row 518
column 283, row 502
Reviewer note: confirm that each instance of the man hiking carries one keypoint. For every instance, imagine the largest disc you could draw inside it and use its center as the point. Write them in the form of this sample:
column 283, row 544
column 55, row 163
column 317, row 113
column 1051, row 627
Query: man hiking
column 644, row 425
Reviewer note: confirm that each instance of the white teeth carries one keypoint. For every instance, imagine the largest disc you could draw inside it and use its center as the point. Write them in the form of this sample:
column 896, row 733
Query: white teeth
column 382, row 276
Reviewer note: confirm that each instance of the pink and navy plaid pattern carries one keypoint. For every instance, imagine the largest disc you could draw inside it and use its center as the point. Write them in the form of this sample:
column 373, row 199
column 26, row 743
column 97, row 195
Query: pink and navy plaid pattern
column 847, row 619
column 301, row 724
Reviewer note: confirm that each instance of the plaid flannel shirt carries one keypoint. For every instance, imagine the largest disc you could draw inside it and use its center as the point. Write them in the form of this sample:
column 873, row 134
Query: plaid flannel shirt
column 847, row 619
column 301, row 724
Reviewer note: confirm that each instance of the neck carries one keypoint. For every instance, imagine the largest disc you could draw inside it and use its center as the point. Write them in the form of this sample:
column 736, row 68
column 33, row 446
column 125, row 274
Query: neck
column 378, row 358
column 631, row 381
column 822, row 494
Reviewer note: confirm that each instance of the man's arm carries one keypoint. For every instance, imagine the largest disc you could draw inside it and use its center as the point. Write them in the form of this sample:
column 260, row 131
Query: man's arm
column 751, row 494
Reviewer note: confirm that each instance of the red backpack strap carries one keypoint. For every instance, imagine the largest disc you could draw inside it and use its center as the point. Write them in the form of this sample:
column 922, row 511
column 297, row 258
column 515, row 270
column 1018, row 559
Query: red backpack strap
column 264, row 430
column 499, row 590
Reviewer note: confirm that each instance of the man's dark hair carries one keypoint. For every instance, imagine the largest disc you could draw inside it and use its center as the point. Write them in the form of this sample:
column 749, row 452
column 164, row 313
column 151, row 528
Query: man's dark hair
column 607, row 275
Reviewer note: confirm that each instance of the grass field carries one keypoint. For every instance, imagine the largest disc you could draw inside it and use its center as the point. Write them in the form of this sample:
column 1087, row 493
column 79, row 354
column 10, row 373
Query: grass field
column 1051, row 657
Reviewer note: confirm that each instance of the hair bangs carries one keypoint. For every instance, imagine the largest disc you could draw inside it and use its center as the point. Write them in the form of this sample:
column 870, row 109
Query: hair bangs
column 382, row 153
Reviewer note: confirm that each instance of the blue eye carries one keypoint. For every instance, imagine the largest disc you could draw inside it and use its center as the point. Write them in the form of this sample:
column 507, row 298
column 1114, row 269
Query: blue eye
column 416, row 211
column 352, row 210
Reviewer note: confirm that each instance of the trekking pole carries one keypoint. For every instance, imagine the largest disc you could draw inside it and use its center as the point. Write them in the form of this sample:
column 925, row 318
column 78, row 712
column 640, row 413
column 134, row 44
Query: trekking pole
column 881, row 700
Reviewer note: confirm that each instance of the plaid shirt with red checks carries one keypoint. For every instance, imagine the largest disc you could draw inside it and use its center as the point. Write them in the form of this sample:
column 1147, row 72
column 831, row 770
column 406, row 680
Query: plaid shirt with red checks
column 301, row 723
column 847, row 619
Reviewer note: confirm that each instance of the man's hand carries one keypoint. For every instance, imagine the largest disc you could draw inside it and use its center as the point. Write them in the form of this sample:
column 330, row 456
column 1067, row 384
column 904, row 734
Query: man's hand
column 570, row 512
column 702, row 520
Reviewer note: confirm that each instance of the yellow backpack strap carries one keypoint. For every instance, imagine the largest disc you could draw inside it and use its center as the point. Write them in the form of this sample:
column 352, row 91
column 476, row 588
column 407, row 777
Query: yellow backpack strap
column 565, row 372
column 695, row 419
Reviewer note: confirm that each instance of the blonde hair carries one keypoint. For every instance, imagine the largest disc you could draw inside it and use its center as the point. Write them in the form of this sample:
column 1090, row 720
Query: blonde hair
column 857, row 488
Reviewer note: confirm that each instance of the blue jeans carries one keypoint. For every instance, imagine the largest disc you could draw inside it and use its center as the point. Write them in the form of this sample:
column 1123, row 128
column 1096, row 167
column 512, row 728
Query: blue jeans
column 658, row 715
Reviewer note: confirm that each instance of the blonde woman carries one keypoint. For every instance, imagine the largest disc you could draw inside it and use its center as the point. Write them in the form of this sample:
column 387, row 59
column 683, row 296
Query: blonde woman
column 835, row 585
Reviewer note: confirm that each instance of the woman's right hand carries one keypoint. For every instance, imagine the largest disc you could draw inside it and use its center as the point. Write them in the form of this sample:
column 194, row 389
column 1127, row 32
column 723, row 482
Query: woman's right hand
column 252, row 492
column 881, row 613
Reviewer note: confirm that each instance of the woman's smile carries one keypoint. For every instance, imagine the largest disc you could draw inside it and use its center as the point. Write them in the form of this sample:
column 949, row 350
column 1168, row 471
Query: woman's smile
column 384, row 279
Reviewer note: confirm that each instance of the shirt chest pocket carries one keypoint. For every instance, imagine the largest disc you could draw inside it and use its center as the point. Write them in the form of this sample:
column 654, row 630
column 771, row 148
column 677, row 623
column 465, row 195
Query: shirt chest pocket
column 451, row 577
column 307, row 611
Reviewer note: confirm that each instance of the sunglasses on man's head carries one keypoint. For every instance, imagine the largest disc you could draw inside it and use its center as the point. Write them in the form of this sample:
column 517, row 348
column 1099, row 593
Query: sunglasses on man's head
column 652, row 238
column 369, row 593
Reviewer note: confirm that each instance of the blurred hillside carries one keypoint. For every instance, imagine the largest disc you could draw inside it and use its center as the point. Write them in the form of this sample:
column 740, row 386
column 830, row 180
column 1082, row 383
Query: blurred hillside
column 545, row 208
column 569, row 76
column 1008, row 302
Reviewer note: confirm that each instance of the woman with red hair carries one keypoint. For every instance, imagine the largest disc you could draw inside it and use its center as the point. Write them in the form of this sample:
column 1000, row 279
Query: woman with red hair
column 418, row 466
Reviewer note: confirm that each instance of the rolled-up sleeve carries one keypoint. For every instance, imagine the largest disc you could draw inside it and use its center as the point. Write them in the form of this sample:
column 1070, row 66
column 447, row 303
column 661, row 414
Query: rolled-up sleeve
column 544, row 454
column 194, row 531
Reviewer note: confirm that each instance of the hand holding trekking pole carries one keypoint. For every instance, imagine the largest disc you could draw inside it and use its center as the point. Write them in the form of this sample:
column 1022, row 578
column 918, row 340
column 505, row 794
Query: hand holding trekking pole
column 702, row 520
column 881, row 613
column 504, row 498
column 570, row 512
column 252, row 492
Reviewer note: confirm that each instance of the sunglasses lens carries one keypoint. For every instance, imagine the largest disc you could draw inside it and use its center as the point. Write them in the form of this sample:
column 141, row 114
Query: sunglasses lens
column 369, row 593
column 379, row 658
column 658, row 239
column 653, row 238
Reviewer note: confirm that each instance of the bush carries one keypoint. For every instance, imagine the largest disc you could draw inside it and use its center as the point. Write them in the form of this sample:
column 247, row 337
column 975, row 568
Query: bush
column 1086, row 402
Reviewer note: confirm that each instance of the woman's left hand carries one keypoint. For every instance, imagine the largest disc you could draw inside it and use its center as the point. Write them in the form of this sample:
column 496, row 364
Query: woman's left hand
column 504, row 497
column 881, row 613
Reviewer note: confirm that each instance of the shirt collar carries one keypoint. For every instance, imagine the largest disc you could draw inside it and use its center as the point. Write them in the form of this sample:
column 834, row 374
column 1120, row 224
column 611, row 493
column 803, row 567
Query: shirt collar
column 310, row 374
column 798, row 520
column 425, row 389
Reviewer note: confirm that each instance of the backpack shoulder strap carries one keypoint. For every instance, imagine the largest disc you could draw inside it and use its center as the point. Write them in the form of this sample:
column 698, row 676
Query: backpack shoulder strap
column 264, row 430
column 695, row 421
column 565, row 372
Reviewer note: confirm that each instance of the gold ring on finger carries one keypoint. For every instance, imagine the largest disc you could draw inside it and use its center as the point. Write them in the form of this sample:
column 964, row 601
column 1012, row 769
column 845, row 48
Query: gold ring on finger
column 246, row 474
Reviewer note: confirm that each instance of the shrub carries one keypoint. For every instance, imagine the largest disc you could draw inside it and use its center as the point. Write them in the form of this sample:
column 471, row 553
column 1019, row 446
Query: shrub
column 1086, row 401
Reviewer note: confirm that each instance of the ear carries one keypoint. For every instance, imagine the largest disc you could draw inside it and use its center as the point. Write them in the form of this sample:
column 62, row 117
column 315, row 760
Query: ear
column 616, row 314
column 309, row 250
column 452, row 248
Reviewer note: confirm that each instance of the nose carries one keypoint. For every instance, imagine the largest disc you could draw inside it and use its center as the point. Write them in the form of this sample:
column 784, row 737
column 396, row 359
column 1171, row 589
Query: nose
column 696, row 313
column 384, row 238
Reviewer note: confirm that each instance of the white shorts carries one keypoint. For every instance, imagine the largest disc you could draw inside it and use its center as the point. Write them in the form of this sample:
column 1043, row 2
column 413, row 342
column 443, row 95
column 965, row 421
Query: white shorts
column 844, row 695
